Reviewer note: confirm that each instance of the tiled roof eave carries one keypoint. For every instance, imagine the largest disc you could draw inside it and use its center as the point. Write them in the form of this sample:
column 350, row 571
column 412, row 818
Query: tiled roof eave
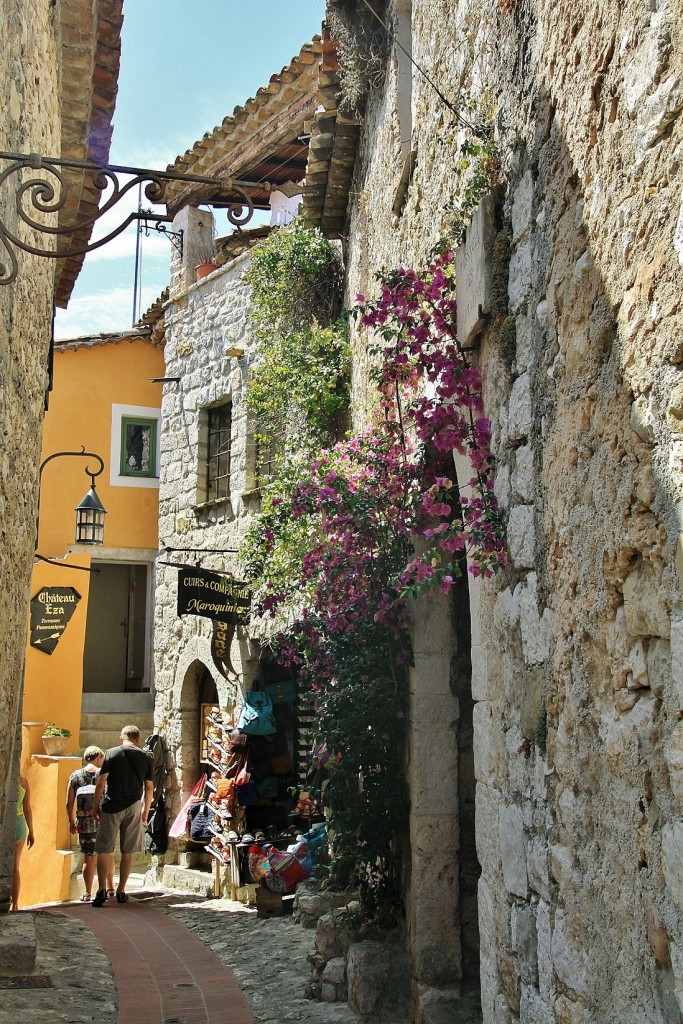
column 268, row 118
column 86, row 119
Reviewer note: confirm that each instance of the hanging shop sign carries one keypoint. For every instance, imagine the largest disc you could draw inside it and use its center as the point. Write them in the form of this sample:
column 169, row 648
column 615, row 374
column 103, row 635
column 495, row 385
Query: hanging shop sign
column 214, row 596
column 51, row 610
column 221, row 640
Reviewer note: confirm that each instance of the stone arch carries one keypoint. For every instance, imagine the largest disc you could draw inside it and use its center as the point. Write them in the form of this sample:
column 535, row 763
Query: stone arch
column 193, row 665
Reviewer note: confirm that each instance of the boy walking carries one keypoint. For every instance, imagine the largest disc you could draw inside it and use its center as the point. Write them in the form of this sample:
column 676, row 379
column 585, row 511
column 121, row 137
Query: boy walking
column 125, row 773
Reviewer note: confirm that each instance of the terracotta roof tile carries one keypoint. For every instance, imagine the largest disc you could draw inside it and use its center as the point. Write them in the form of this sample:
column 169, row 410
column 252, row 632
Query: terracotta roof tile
column 90, row 67
column 222, row 151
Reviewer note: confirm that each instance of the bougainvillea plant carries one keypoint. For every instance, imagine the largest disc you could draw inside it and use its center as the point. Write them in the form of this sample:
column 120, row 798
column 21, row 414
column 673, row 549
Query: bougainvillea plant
column 345, row 539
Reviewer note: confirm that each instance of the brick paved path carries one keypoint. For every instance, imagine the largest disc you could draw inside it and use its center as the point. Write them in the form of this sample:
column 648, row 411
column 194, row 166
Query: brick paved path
column 164, row 975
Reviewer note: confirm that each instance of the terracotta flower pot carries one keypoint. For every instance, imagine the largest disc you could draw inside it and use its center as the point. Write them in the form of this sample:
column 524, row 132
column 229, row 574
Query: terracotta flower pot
column 204, row 269
column 55, row 745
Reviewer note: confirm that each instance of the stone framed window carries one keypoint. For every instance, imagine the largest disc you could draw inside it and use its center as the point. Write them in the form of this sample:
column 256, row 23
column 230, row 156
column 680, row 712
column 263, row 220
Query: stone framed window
column 218, row 451
column 138, row 447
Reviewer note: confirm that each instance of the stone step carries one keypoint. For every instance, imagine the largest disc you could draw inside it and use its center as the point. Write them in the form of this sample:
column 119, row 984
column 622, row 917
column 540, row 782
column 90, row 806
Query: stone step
column 103, row 729
column 187, row 880
column 17, row 944
column 108, row 721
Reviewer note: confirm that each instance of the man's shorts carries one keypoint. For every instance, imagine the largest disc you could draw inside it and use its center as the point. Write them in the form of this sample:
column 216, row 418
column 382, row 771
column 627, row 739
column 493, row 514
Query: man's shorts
column 126, row 824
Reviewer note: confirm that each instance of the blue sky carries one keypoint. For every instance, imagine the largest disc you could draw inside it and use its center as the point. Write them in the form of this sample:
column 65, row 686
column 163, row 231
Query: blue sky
column 185, row 65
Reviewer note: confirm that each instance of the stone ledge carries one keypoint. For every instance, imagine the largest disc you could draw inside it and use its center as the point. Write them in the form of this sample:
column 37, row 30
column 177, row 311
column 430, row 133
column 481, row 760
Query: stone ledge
column 17, row 944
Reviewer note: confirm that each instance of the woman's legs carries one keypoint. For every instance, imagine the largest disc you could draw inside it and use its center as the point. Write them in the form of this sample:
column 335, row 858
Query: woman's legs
column 89, row 871
column 16, row 877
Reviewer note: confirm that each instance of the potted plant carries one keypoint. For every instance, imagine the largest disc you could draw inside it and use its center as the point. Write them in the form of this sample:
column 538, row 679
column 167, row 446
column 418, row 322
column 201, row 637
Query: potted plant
column 205, row 255
column 54, row 739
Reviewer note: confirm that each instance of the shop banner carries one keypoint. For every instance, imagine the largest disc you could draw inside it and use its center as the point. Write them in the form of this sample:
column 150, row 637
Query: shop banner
column 51, row 610
column 220, row 648
column 221, row 598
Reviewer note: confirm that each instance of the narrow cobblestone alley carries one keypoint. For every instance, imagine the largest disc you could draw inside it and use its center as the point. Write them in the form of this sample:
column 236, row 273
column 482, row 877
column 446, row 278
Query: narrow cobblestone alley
column 170, row 958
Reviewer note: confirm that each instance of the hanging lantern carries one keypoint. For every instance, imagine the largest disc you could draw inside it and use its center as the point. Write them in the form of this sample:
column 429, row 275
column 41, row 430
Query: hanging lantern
column 90, row 513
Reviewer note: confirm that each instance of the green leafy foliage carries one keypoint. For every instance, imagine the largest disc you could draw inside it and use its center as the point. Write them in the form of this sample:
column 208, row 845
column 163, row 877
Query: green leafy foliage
column 299, row 386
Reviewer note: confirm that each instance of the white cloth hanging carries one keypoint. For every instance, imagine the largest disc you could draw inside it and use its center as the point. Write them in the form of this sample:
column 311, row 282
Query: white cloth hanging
column 283, row 208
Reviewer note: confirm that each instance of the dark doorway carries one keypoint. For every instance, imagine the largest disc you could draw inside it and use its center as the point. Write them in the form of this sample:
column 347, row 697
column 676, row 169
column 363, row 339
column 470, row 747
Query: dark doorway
column 115, row 656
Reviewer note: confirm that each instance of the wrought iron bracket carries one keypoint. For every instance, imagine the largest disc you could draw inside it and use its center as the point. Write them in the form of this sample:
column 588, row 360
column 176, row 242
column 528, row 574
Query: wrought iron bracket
column 174, row 237
column 48, row 195
column 92, row 474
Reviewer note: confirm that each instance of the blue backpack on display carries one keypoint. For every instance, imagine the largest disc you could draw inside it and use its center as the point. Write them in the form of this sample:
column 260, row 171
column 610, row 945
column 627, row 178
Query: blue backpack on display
column 257, row 717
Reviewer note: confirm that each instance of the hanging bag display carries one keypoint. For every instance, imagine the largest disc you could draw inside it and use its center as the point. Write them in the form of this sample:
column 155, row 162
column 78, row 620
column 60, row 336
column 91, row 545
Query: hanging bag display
column 245, row 789
column 200, row 817
column 256, row 716
column 181, row 824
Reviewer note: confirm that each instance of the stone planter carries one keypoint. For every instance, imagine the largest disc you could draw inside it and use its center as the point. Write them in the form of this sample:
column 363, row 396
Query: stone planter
column 55, row 745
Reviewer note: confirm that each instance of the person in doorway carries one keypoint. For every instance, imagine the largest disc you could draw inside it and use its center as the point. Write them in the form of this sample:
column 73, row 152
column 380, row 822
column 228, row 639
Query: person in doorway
column 123, row 796
column 24, row 836
column 82, row 820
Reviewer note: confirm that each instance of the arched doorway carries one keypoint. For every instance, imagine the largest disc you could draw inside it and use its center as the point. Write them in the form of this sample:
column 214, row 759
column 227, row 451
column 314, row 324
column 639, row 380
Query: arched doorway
column 198, row 690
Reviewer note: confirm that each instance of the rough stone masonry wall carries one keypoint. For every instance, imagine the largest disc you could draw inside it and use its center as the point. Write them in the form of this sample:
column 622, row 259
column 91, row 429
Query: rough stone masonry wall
column 202, row 322
column 29, row 122
column 580, row 834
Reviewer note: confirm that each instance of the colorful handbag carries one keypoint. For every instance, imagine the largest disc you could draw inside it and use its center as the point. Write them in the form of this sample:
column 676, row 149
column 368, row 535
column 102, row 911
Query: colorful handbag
column 256, row 717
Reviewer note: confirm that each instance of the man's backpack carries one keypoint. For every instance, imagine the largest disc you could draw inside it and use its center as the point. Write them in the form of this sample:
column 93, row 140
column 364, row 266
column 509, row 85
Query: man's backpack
column 156, row 748
column 156, row 831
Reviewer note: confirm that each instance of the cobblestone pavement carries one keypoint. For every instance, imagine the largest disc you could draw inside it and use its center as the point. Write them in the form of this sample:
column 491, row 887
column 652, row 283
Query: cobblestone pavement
column 81, row 975
column 267, row 958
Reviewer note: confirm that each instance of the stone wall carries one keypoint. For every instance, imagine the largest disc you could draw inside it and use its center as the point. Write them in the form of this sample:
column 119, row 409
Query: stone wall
column 29, row 122
column 202, row 322
column 576, row 648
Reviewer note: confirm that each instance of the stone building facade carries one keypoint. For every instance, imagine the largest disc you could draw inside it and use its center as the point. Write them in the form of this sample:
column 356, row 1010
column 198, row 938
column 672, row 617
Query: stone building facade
column 209, row 352
column 46, row 51
column 204, row 322
column 558, row 685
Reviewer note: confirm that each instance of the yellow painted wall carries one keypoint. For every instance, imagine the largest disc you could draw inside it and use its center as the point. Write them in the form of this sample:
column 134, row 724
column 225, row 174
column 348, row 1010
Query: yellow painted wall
column 53, row 683
column 88, row 380
column 46, row 867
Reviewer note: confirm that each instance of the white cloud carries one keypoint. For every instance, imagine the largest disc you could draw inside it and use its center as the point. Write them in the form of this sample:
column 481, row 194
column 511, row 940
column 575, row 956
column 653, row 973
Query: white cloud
column 100, row 312
column 123, row 247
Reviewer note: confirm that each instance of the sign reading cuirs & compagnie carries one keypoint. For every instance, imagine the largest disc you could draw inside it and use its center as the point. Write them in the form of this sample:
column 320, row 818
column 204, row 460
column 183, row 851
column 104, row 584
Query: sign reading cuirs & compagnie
column 51, row 610
column 213, row 596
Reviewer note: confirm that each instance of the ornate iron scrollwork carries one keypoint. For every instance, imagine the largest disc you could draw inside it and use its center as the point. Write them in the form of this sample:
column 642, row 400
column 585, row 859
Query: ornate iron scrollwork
column 49, row 195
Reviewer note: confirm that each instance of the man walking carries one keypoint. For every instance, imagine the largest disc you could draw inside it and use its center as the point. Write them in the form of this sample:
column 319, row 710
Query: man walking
column 122, row 810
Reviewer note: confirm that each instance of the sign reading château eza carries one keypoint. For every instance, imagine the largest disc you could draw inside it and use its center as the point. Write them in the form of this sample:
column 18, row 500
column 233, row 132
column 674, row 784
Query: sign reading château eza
column 51, row 609
column 213, row 596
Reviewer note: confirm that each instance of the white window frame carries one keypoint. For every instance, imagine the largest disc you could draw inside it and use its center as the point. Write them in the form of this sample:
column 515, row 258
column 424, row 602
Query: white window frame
column 142, row 412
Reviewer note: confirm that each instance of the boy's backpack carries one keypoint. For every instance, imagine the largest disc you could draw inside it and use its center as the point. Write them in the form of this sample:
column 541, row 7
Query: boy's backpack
column 156, row 831
column 85, row 801
column 156, row 748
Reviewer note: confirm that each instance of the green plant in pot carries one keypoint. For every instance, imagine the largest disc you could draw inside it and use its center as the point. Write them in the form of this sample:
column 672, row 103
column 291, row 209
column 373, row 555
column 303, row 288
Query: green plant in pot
column 55, row 739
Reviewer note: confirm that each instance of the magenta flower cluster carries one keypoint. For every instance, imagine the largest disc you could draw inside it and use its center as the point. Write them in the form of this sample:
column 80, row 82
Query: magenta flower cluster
column 385, row 517
column 423, row 365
